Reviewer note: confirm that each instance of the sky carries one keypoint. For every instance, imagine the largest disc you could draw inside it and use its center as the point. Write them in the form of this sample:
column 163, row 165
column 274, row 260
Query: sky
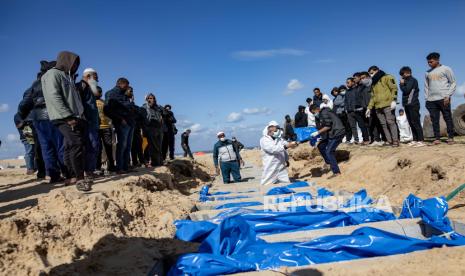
column 224, row 65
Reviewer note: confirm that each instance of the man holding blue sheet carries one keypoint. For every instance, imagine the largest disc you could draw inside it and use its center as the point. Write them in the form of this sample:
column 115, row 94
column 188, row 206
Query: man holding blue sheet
column 331, row 131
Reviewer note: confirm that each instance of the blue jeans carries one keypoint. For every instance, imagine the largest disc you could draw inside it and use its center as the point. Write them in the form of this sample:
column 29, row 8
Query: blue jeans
column 51, row 143
column 327, row 149
column 29, row 155
column 92, row 150
column 123, row 147
column 230, row 167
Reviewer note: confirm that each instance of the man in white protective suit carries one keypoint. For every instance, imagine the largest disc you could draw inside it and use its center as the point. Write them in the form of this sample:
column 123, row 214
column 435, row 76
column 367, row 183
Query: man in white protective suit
column 274, row 155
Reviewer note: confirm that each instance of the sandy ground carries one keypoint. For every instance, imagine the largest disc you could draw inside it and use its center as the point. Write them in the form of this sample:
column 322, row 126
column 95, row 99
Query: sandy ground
column 123, row 227
column 126, row 224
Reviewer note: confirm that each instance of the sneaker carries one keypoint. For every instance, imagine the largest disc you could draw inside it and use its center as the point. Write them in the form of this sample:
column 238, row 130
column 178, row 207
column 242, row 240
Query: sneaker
column 376, row 144
column 419, row 144
column 84, row 185
column 412, row 144
column 436, row 142
column 450, row 141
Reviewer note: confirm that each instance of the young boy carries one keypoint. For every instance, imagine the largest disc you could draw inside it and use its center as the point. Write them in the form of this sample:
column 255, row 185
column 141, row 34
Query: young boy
column 332, row 131
column 410, row 90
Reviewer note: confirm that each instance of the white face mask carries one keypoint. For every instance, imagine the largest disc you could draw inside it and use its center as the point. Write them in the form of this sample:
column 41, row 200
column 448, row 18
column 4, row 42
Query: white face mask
column 277, row 133
column 343, row 92
column 222, row 139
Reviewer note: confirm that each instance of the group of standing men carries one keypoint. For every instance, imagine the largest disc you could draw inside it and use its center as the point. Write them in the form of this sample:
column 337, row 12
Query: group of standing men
column 368, row 101
column 69, row 125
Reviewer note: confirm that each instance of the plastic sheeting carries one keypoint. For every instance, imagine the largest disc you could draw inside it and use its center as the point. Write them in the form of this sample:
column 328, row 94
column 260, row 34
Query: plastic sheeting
column 299, row 184
column 238, row 204
column 304, row 134
column 280, row 191
column 234, row 247
column 264, row 222
column 323, row 192
column 433, row 211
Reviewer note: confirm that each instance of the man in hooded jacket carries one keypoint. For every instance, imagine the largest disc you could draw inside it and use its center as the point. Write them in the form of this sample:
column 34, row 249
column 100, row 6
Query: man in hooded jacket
column 49, row 140
column 274, row 155
column 65, row 109
column 226, row 157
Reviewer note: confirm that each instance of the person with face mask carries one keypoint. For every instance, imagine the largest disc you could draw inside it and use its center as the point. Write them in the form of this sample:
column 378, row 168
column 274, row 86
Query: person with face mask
column 87, row 89
column 339, row 94
column 331, row 132
column 384, row 100
column 227, row 158
column 153, row 131
column 65, row 109
column 274, row 155
column 375, row 129
column 355, row 114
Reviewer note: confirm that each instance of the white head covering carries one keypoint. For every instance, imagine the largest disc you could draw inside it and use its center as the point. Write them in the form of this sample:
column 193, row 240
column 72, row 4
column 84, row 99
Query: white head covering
column 219, row 133
column 88, row 71
column 271, row 123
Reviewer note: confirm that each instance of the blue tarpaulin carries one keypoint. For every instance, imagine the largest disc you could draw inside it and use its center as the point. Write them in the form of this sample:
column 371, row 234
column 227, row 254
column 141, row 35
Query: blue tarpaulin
column 299, row 184
column 234, row 247
column 304, row 134
column 265, row 222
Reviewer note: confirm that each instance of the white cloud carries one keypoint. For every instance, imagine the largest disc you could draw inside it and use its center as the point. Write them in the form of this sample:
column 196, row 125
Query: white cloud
column 235, row 117
column 293, row 86
column 12, row 137
column 4, row 107
column 263, row 54
column 256, row 111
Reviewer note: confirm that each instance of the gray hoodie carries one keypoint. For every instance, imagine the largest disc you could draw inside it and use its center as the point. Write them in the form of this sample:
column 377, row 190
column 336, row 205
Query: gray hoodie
column 440, row 83
column 61, row 97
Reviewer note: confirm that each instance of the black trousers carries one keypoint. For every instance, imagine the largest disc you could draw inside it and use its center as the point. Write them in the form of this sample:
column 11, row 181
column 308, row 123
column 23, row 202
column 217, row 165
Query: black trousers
column 137, row 153
column 168, row 144
column 435, row 108
column 74, row 140
column 153, row 151
column 187, row 151
column 357, row 117
column 38, row 159
column 374, row 128
column 413, row 118
column 345, row 122
column 106, row 142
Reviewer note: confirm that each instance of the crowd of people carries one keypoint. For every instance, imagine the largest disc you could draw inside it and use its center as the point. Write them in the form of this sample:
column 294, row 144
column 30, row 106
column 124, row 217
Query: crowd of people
column 68, row 126
column 366, row 102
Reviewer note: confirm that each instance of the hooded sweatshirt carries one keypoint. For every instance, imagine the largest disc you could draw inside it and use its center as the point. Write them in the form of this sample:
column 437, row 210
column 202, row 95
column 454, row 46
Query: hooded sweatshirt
column 61, row 97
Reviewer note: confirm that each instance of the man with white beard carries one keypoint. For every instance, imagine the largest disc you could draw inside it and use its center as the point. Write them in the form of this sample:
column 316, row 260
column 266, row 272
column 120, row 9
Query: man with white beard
column 88, row 88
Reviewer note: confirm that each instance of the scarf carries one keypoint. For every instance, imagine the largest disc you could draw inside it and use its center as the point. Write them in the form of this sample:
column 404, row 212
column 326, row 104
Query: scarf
column 377, row 77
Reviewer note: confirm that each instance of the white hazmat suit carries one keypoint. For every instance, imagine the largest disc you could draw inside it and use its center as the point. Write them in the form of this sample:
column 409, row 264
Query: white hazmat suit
column 274, row 158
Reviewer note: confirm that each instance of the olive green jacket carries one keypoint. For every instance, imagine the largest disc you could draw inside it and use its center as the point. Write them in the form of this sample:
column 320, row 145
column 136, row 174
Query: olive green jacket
column 383, row 92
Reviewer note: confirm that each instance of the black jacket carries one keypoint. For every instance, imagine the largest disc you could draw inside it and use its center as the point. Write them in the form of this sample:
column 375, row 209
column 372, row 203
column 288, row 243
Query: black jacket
column 364, row 95
column 168, row 121
column 328, row 118
column 118, row 107
column 238, row 145
column 317, row 100
column 351, row 99
column 410, row 92
column 301, row 119
column 289, row 133
column 185, row 139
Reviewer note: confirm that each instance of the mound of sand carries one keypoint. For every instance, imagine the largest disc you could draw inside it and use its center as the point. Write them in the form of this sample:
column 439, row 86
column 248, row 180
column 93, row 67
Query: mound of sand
column 120, row 229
